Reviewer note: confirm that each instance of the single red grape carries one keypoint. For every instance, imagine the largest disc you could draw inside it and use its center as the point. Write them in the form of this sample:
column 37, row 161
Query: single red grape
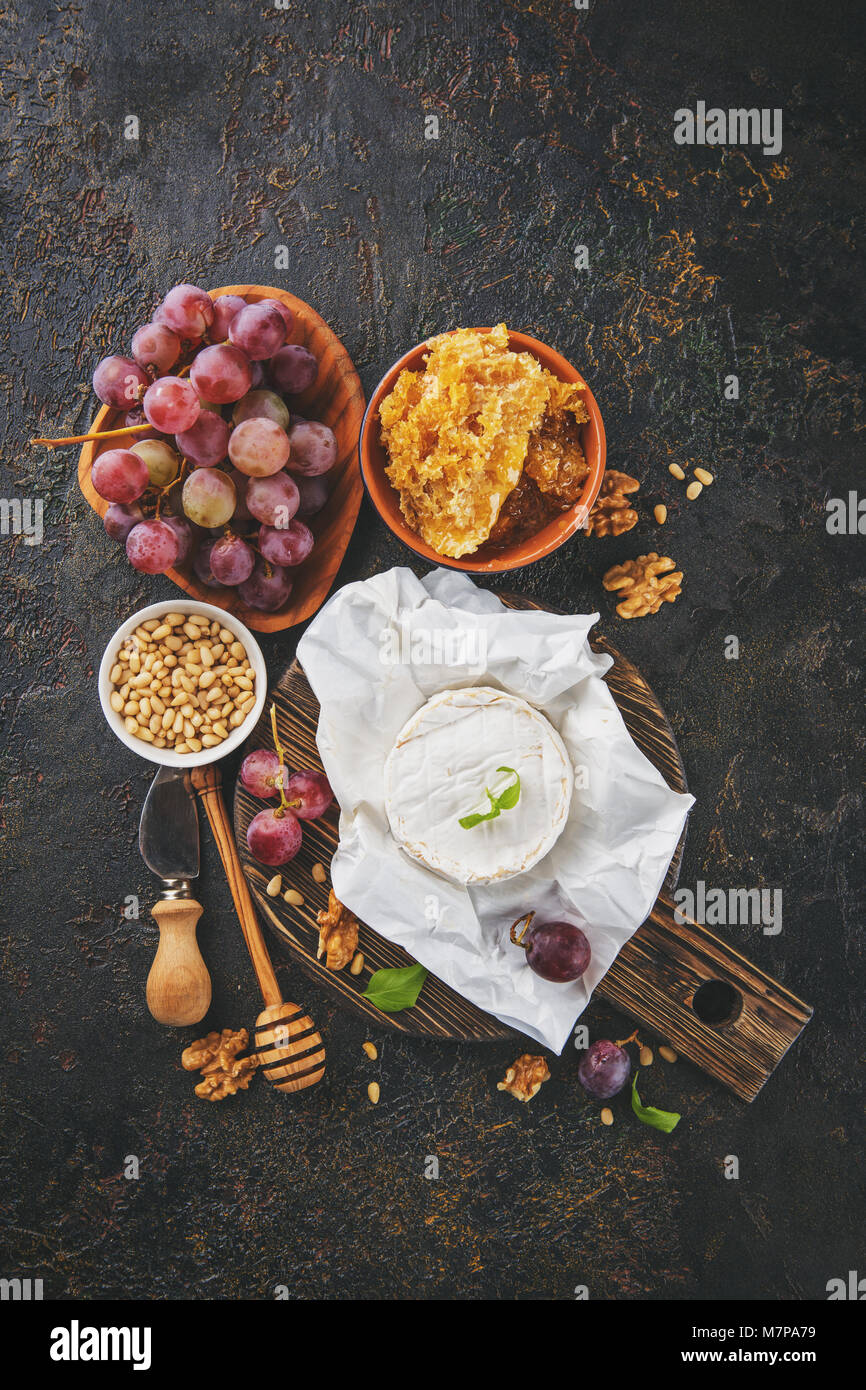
column 207, row 442
column 273, row 500
column 119, row 382
column 293, row 369
column 221, row 374
column 119, row 475
column 312, row 791
column 274, row 837
column 156, row 345
column 267, row 588
column 232, row 560
column 258, row 447
column 258, row 330
column 120, row 519
column 314, row 448
column 289, row 545
column 171, row 405
column 604, row 1069
column 188, row 310
column 259, row 774
column 225, row 308
column 152, row 547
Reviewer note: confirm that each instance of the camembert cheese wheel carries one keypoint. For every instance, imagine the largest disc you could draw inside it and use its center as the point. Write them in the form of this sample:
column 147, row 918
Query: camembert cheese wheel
column 440, row 768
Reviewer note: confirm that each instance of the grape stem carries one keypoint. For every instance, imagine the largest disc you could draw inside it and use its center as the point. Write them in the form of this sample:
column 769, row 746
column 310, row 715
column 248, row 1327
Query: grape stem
column 284, row 804
column 85, row 438
column 633, row 1039
column 526, row 919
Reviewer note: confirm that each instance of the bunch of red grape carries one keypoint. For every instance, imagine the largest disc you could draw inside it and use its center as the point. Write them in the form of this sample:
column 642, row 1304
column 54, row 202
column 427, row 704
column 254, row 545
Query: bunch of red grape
column 232, row 492
column 274, row 835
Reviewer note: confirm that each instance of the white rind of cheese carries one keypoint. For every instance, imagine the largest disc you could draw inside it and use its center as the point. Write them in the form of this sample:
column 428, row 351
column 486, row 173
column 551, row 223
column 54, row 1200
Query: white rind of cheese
column 442, row 761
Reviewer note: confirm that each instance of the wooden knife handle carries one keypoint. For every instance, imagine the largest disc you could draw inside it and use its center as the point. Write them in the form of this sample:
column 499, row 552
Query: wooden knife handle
column 704, row 998
column 178, row 986
column 208, row 783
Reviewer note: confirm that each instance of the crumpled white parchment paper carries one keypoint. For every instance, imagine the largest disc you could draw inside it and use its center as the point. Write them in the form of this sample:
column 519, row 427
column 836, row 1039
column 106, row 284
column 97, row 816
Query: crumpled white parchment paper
column 374, row 654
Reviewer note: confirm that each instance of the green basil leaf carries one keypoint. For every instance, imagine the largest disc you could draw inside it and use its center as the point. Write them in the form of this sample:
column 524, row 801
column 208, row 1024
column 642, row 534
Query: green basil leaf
column 476, row 817
column 510, row 797
column 393, row 990
column 665, row 1120
column 504, row 801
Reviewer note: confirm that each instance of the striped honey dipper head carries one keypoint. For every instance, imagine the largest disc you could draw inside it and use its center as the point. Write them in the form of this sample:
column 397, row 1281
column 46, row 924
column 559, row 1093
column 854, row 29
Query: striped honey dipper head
column 290, row 1049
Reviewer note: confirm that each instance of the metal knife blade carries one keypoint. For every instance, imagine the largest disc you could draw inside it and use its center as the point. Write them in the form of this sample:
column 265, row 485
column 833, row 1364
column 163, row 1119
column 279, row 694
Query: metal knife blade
column 168, row 831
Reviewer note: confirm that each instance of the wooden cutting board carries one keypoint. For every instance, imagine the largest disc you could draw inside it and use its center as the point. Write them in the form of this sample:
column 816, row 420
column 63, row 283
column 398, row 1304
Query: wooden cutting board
column 678, row 980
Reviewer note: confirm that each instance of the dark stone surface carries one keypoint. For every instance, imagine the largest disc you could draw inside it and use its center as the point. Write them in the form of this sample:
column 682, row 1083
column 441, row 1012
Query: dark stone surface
column 305, row 127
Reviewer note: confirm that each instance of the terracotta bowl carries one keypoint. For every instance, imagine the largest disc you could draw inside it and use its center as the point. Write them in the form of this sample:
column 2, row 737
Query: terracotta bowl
column 337, row 399
column 386, row 500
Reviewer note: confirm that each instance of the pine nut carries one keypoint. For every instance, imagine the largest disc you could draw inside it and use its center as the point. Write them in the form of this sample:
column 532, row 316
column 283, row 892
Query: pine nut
column 607, row 1116
column 371, row 1050
column 357, row 964
column 210, row 740
column 115, row 699
column 703, row 476
column 646, row 1056
column 676, row 470
column 293, row 897
column 130, row 725
column 373, row 1092
column 694, row 490
column 163, row 631
column 320, row 873
column 116, row 671
column 205, row 679
column 668, row 1053
column 660, row 513
column 274, row 886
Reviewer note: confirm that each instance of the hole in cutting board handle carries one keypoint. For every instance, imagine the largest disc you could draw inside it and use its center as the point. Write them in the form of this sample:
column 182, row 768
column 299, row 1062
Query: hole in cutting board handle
column 717, row 1002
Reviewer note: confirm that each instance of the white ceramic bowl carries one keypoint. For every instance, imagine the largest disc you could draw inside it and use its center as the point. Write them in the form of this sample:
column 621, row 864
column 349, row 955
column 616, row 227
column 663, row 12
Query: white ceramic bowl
column 166, row 756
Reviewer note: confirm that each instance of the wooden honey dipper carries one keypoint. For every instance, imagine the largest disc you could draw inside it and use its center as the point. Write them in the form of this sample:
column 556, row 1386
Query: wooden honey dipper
column 290, row 1049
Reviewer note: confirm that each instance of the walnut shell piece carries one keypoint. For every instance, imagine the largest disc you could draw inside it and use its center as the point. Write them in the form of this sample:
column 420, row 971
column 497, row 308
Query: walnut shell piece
column 338, row 934
column 612, row 514
column 525, row 1077
column 644, row 584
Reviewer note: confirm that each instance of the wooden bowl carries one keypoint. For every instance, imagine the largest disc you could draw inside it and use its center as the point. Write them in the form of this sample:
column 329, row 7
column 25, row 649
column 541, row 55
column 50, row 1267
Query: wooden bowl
column 336, row 398
column 386, row 499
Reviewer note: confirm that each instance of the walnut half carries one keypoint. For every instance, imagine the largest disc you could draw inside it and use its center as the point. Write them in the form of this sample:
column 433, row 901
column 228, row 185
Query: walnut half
column 612, row 513
column 216, row 1057
column 338, row 934
column 525, row 1077
column 645, row 584
column 218, row 1084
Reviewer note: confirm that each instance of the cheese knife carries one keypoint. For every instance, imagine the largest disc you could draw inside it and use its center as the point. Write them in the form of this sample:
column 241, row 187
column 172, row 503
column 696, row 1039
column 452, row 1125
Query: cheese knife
column 178, row 986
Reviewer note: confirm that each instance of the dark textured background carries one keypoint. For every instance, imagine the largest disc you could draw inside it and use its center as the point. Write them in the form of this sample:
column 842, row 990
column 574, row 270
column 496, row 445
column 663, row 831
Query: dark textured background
column 305, row 127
